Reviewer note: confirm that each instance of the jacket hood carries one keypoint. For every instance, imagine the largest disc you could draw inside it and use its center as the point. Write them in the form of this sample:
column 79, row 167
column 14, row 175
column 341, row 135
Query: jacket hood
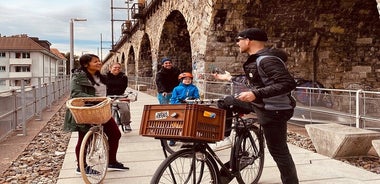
column 274, row 52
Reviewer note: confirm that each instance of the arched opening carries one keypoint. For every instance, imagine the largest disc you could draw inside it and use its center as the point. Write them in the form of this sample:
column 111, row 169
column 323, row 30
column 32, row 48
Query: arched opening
column 131, row 63
column 122, row 62
column 175, row 42
column 145, row 62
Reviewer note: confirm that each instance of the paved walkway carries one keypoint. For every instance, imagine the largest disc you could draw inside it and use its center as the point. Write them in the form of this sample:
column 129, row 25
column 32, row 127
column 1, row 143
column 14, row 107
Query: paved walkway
column 144, row 154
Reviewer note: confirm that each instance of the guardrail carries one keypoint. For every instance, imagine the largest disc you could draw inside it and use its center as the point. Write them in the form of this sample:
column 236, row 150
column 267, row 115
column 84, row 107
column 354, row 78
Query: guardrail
column 22, row 103
column 357, row 108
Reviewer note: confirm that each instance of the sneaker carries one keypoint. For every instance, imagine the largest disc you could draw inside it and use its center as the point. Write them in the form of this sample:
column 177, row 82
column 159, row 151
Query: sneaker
column 171, row 143
column 89, row 170
column 221, row 145
column 127, row 128
column 117, row 167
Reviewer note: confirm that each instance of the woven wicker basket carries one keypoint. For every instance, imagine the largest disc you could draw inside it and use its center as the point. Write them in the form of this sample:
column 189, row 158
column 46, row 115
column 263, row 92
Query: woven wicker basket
column 90, row 110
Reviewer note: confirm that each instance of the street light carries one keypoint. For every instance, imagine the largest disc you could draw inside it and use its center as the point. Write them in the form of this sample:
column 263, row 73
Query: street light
column 72, row 43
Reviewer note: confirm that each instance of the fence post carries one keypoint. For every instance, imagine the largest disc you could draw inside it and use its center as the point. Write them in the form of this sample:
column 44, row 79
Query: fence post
column 14, row 123
column 357, row 112
column 35, row 97
column 23, row 107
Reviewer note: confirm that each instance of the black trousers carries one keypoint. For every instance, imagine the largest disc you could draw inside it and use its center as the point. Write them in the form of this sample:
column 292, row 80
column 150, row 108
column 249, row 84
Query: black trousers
column 274, row 123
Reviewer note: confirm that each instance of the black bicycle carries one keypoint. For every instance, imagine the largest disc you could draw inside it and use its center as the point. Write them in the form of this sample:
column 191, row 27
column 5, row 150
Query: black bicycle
column 125, row 98
column 198, row 163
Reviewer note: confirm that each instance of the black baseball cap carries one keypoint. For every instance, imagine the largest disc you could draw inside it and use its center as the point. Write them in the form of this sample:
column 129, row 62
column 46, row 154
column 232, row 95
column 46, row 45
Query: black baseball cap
column 253, row 34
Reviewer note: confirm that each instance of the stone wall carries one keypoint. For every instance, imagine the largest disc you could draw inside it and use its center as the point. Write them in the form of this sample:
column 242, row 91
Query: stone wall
column 334, row 42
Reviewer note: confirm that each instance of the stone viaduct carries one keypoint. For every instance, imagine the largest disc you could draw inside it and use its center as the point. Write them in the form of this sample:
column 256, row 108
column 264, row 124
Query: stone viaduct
column 336, row 43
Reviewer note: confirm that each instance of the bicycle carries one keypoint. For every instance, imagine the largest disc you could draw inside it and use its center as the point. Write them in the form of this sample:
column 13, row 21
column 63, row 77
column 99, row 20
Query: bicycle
column 93, row 155
column 199, row 163
column 125, row 98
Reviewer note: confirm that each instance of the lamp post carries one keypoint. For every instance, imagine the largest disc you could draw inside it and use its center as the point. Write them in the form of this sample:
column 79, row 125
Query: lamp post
column 72, row 43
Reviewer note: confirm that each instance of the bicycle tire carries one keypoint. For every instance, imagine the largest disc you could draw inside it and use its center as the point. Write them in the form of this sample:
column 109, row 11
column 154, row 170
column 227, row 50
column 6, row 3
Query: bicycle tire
column 94, row 155
column 179, row 168
column 249, row 154
column 116, row 116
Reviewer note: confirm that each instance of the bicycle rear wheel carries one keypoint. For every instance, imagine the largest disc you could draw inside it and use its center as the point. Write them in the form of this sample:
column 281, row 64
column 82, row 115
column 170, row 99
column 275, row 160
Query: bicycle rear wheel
column 249, row 154
column 186, row 166
column 93, row 157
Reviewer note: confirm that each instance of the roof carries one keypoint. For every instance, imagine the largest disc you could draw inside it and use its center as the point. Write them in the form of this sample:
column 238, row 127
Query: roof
column 20, row 43
column 56, row 52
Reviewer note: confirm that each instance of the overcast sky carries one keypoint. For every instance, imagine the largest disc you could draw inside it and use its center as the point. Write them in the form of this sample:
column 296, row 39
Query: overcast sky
column 50, row 20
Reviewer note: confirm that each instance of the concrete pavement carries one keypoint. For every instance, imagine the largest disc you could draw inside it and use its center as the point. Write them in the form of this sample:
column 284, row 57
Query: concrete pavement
column 144, row 154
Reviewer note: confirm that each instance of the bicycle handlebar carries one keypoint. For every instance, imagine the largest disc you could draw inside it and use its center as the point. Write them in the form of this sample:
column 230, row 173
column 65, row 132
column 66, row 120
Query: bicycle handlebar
column 204, row 101
column 129, row 96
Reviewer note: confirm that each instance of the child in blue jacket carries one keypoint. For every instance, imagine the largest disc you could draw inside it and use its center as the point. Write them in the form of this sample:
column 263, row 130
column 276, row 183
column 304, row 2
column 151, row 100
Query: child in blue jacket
column 185, row 90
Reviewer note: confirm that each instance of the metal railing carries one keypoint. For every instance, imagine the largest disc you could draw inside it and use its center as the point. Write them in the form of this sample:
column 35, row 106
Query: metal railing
column 22, row 103
column 357, row 108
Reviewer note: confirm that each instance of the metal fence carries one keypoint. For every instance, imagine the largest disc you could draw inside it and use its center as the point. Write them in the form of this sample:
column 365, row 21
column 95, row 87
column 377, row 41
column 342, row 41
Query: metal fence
column 22, row 103
column 357, row 108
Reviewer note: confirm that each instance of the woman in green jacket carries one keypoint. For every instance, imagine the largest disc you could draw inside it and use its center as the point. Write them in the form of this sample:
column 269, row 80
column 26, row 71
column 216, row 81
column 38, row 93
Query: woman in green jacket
column 88, row 82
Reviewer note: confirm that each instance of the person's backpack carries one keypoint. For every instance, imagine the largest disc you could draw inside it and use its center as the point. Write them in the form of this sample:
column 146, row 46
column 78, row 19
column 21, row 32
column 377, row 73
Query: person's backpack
column 279, row 102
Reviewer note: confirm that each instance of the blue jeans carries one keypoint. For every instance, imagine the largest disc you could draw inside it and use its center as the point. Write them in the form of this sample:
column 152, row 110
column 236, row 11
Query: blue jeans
column 164, row 99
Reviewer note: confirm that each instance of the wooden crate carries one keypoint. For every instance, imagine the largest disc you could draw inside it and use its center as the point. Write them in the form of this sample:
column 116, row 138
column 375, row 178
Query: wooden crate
column 183, row 122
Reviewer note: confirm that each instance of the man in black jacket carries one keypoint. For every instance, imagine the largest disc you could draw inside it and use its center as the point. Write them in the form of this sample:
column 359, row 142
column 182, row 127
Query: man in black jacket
column 269, row 97
column 166, row 80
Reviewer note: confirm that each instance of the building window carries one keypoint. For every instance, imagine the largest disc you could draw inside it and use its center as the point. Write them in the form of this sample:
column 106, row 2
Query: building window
column 2, row 68
column 22, row 55
column 22, row 68
column 26, row 82
column 2, row 83
column 2, row 54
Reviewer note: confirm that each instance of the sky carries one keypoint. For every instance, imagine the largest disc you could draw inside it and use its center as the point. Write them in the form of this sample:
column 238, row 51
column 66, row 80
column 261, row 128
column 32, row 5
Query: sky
column 50, row 20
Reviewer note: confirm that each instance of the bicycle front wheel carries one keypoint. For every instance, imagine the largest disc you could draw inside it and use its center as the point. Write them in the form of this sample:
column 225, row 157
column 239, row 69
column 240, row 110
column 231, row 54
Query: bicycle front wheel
column 186, row 166
column 249, row 154
column 116, row 116
column 93, row 157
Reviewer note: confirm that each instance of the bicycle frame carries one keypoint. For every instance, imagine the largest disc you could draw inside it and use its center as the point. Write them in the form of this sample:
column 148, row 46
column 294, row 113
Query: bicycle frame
column 240, row 129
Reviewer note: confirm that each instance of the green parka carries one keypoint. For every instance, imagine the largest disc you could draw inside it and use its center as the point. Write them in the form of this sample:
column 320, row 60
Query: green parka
column 80, row 87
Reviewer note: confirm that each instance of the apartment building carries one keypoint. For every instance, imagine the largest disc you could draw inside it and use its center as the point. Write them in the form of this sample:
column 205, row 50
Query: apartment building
column 29, row 59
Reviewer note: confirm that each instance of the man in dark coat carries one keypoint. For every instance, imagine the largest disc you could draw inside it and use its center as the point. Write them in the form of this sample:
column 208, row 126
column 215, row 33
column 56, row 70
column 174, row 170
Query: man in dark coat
column 269, row 97
column 166, row 80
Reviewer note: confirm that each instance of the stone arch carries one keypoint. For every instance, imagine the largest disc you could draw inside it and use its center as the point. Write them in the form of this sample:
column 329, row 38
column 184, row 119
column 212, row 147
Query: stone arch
column 145, row 62
column 122, row 62
column 175, row 42
column 131, row 63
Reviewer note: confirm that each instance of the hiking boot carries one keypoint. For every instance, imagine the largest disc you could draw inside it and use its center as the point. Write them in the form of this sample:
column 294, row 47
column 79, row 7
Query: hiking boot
column 117, row 167
column 221, row 145
column 89, row 170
